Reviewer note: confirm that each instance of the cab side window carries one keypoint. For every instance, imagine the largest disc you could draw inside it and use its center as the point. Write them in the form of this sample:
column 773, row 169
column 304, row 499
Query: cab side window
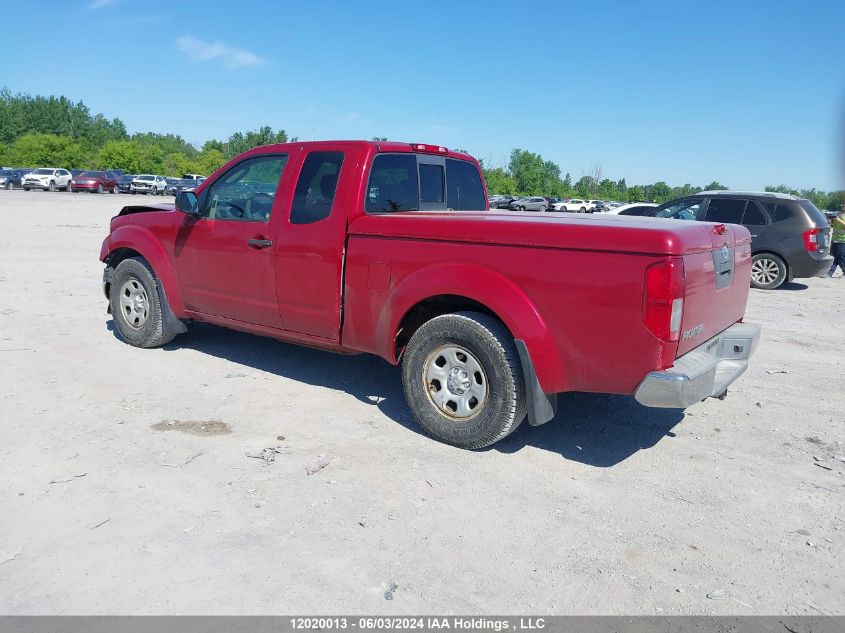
column 245, row 193
column 315, row 189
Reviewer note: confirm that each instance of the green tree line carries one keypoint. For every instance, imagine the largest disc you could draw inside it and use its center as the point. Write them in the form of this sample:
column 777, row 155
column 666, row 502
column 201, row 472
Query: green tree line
column 528, row 174
column 54, row 131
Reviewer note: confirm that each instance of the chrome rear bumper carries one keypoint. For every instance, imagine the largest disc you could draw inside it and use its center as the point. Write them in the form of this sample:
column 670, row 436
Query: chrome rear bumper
column 705, row 372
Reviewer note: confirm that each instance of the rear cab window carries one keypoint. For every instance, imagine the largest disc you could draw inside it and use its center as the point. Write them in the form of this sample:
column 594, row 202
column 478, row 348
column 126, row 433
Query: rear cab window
column 423, row 182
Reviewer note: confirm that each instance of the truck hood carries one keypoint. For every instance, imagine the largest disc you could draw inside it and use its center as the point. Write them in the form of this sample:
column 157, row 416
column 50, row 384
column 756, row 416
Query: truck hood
column 623, row 234
column 146, row 208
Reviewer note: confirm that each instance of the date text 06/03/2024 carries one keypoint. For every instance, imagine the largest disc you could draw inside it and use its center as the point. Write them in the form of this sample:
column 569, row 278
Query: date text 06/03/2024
column 411, row 623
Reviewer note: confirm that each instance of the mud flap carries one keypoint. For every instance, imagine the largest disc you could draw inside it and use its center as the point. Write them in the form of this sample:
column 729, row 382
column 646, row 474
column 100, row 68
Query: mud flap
column 108, row 275
column 172, row 324
column 541, row 407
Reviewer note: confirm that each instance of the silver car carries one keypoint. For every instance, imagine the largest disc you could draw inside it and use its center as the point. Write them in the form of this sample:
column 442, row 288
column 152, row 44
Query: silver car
column 534, row 203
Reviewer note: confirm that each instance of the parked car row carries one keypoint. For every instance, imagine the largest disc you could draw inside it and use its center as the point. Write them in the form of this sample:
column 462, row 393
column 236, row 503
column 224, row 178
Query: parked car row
column 95, row 181
column 538, row 203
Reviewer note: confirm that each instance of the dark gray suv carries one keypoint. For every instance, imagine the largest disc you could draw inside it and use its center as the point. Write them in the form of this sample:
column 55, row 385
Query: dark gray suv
column 790, row 236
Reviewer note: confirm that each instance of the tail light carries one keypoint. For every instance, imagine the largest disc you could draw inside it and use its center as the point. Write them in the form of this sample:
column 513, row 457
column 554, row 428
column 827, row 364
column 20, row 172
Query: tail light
column 663, row 298
column 811, row 240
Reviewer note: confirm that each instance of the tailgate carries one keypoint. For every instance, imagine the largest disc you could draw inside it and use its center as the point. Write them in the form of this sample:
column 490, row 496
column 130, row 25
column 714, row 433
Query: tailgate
column 717, row 283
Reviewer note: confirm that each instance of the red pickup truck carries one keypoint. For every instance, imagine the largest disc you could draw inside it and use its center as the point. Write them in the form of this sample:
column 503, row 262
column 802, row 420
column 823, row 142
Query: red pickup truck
column 390, row 249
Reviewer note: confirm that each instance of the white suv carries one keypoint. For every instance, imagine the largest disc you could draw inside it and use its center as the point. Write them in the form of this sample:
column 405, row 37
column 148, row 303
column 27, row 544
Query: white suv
column 146, row 183
column 572, row 204
column 48, row 179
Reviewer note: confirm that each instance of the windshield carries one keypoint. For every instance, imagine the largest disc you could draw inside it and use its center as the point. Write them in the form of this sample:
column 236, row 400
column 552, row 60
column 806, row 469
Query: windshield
column 91, row 174
column 144, row 177
column 43, row 172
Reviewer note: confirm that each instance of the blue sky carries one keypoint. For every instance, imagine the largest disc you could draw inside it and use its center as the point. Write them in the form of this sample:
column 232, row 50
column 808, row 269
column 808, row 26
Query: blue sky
column 746, row 93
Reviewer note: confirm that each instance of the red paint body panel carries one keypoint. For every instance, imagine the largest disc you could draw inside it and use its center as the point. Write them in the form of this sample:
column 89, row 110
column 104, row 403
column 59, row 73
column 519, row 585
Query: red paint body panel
column 587, row 232
column 570, row 286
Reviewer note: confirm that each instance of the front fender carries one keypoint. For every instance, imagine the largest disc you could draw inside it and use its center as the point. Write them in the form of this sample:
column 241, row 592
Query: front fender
column 142, row 240
column 487, row 287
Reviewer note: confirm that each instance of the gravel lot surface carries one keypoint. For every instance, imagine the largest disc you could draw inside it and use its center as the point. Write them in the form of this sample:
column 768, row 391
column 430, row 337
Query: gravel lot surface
column 127, row 489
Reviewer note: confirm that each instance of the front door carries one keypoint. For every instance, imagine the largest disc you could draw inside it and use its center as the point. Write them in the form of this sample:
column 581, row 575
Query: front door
column 225, row 258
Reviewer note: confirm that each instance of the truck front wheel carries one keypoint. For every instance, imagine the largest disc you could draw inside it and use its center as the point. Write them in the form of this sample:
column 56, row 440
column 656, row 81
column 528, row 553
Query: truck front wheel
column 463, row 381
column 135, row 304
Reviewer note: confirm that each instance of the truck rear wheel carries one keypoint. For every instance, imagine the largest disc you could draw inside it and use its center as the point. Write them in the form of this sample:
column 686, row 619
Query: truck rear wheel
column 463, row 381
column 135, row 305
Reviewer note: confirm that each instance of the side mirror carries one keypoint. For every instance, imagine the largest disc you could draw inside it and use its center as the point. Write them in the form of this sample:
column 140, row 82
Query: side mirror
column 186, row 202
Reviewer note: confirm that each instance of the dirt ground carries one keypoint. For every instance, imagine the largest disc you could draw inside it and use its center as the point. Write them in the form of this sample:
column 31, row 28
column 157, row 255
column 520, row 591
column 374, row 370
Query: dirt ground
column 126, row 488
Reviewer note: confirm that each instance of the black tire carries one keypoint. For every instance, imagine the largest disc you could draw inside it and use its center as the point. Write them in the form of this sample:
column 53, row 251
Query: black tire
column 583, row 209
column 52, row 186
column 133, row 192
column 135, row 270
column 768, row 271
column 26, row 188
column 542, row 209
column 100, row 188
column 9, row 185
column 115, row 190
column 492, row 345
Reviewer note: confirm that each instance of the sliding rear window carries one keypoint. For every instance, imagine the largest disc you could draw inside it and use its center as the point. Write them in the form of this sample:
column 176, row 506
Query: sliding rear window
column 408, row 182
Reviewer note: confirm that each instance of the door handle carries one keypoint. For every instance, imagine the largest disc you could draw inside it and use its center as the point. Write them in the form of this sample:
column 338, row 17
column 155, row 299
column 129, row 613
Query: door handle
column 260, row 243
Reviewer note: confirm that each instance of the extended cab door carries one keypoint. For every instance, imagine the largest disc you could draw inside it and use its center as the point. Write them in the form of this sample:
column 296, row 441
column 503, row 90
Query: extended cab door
column 310, row 242
column 225, row 258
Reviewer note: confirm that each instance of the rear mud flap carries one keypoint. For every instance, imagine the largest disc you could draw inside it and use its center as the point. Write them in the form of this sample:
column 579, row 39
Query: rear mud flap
column 541, row 407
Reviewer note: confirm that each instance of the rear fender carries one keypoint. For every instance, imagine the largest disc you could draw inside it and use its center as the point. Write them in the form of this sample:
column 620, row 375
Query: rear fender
column 498, row 293
column 142, row 240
